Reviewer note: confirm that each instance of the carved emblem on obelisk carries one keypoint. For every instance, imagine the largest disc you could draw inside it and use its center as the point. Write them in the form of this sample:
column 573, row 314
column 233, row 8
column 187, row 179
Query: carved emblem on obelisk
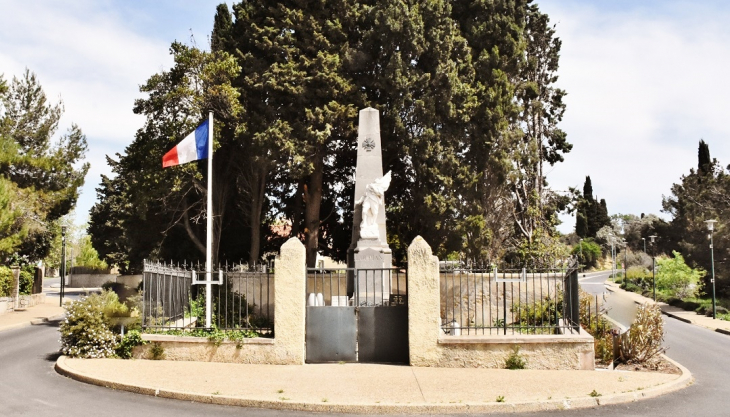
column 368, row 144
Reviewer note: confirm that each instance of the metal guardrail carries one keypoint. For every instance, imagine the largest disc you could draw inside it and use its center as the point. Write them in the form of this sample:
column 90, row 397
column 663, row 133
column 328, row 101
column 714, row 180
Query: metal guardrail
column 491, row 301
column 374, row 287
column 173, row 298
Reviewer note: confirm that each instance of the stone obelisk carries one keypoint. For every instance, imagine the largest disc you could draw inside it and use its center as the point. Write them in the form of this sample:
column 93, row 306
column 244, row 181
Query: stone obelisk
column 370, row 251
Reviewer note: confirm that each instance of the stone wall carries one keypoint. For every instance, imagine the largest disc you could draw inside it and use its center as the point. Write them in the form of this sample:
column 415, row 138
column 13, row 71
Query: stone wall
column 429, row 347
column 287, row 348
column 89, row 280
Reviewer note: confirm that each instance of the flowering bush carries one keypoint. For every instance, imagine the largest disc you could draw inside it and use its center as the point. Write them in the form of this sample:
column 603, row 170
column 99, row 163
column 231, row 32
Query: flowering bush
column 86, row 331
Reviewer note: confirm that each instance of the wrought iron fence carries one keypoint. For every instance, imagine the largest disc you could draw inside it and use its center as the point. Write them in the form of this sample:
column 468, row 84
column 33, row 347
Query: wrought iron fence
column 167, row 296
column 478, row 301
column 342, row 287
column 174, row 297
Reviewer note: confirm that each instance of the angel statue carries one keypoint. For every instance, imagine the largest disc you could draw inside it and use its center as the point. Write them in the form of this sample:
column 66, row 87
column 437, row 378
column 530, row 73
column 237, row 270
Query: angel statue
column 371, row 202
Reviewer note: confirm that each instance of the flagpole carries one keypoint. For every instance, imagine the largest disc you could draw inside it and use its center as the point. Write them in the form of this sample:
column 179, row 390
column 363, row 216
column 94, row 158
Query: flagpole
column 209, row 229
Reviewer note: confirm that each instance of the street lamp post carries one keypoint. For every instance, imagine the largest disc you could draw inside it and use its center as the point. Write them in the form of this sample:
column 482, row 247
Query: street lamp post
column 653, row 264
column 626, row 251
column 644, row 239
column 613, row 259
column 63, row 265
column 711, row 227
column 581, row 252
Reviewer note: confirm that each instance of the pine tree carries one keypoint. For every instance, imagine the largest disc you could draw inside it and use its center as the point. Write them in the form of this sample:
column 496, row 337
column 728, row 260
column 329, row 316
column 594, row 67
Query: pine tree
column 43, row 176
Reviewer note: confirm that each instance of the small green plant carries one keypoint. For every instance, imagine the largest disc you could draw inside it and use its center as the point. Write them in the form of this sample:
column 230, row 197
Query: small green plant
column 130, row 340
column 281, row 391
column 284, row 398
column 216, row 337
column 594, row 393
column 157, row 352
column 500, row 398
column 324, row 400
column 216, row 393
column 515, row 360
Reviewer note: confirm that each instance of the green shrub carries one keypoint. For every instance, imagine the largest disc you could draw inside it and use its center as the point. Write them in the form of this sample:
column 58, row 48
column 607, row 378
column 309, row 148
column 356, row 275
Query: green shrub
column 538, row 313
column 515, row 360
column 689, row 305
column 6, row 281
column 26, row 281
column 85, row 332
column 130, row 340
column 638, row 273
column 676, row 278
column 643, row 341
column 588, row 252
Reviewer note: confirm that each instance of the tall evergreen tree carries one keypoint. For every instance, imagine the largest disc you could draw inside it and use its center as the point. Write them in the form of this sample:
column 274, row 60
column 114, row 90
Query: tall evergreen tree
column 704, row 163
column 41, row 175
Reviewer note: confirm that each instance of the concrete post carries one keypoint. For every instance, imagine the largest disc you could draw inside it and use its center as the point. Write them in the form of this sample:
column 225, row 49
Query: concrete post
column 290, row 277
column 38, row 281
column 16, row 286
column 423, row 304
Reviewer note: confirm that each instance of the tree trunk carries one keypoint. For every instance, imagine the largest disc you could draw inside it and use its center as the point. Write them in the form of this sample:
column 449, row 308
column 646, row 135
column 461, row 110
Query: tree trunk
column 257, row 194
column 311, row 211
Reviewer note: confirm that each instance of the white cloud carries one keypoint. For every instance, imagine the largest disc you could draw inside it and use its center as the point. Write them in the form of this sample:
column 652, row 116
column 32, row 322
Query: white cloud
column 87, row 54
column 643, row 88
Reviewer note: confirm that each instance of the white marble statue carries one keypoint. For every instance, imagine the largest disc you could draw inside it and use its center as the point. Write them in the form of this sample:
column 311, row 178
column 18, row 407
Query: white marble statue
column 371, row 203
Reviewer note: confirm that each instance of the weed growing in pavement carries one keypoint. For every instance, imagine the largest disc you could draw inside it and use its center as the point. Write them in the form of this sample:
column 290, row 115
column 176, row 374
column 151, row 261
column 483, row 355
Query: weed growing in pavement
column 515, row 360
column 157, row 352
column 594, row 393
column 281, row 391
column 500, row 398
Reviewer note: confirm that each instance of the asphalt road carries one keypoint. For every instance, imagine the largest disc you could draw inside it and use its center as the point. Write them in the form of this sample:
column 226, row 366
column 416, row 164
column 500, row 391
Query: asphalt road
column 30, row 387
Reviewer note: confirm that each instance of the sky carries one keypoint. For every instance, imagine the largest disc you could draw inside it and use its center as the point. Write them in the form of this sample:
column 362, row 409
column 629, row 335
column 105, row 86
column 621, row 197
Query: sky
column 645, row 82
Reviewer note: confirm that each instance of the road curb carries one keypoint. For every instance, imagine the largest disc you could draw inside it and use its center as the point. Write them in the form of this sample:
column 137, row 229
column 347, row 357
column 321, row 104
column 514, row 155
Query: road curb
column 682, row 381
column 674, row 316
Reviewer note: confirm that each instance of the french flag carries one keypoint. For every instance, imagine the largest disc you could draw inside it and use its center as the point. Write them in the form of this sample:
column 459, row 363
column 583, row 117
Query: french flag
column 192, row 148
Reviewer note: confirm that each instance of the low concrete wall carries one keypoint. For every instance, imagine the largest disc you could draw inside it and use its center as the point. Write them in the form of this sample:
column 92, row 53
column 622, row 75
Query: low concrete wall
column 428, row 348
column 200, row 349
column 7, row 304
column 90, row 280
column 559, row 352
column 25, row 301
column 131, row 281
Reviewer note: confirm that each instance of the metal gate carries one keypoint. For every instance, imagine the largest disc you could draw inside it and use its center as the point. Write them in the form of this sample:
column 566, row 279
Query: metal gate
column 367, row 325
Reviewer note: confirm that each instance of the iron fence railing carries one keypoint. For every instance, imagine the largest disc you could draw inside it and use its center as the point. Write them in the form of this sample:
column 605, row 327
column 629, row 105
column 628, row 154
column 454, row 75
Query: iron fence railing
column 375, row 287
column 482, row 301
column 174, row 297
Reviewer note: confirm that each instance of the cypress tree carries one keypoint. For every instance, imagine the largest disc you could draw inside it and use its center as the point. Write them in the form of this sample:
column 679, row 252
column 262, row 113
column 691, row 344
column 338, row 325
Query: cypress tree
column 704, row 163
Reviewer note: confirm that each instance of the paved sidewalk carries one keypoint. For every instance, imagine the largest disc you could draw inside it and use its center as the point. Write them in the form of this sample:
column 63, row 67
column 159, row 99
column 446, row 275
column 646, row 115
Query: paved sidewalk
column 372, row 388
column 720, row 326
column 32, row 315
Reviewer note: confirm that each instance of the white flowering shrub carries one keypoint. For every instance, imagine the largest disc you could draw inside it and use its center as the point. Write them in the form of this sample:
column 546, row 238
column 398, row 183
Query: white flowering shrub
column 86, row 332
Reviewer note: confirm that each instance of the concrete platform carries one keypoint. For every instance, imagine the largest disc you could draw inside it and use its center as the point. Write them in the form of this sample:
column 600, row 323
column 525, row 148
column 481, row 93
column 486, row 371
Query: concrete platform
column 372, row 388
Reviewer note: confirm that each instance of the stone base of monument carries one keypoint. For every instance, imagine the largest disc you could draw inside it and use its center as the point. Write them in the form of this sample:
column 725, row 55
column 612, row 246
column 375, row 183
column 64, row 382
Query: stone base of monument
column 372, row 274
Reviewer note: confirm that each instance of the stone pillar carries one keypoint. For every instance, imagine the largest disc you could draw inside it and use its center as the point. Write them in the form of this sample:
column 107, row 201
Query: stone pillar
column 424, row 318
column 38, row 281
column 290, row 277
column 16, row 286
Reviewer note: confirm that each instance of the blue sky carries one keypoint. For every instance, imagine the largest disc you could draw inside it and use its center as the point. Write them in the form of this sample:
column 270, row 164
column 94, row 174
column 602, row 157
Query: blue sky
column 645, row 80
